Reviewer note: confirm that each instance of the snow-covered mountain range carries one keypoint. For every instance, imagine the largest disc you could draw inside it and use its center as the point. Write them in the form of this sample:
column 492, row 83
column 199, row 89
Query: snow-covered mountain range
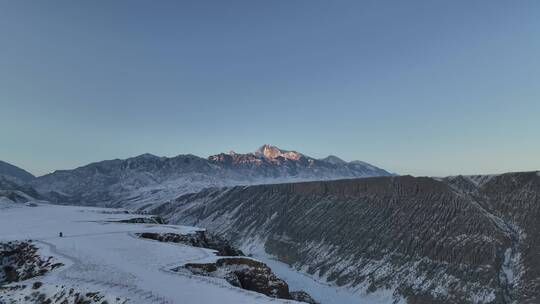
column 145, row 179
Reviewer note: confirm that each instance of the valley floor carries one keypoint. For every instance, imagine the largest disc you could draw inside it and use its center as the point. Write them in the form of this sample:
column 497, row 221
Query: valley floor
column 323, row 292
column 100, row 255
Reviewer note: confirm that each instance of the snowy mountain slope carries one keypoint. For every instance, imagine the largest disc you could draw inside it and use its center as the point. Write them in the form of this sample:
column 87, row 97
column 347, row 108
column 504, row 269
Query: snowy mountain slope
column 453, row 240
column 15, row 191
column 145, row 179
column 16, row 172
column 100, row 255
column 14, row 188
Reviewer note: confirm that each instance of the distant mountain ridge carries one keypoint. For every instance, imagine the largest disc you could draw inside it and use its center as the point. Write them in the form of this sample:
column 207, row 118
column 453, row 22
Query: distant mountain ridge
column 147, row 178
column 15, row 191
column 14, row 171
column 14, row 186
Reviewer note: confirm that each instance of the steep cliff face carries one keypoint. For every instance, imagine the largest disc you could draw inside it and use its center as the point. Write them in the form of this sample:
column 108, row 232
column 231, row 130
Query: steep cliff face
column 456, row 240
column 515, row 200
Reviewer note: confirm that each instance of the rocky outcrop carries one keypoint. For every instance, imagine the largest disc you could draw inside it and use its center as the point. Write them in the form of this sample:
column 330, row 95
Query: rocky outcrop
column 247, row 274
column 302, row 296
column 144, row 220
column 38, row 293
column 454, row 240
column 236, row 269
column 200, row 239
column 20, row 261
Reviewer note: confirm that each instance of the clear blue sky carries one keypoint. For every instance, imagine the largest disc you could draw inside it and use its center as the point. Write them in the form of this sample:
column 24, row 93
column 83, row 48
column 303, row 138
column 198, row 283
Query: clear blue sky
column 416, row 87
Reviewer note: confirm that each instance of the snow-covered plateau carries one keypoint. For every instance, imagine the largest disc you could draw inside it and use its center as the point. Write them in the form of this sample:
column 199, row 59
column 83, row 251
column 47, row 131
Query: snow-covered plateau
column 102, row 255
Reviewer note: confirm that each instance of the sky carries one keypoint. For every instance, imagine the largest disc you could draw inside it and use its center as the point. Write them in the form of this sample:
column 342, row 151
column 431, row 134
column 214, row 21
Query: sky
column 415, row 87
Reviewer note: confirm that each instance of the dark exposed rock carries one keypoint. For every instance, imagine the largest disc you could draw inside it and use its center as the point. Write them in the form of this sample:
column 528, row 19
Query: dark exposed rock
column 37, row 285
column 302, row 296
column 145, row 220
column 20, row 261
column 469, row 239
column 238, row 271
column 53, row 294
column 248, row 274
column 198, row 239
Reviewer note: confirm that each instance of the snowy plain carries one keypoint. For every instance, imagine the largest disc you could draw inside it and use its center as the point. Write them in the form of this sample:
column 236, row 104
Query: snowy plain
column 105, row 256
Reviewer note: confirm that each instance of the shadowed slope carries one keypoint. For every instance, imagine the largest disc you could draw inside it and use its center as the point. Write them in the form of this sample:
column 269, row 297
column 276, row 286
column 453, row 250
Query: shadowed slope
column 427, row 240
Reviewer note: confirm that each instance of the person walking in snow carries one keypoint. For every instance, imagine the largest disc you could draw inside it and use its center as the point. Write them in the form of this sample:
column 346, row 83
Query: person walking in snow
column 60, row 234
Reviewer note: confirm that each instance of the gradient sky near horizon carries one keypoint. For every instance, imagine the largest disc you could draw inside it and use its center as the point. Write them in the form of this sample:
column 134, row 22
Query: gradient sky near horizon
column 415, row 87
